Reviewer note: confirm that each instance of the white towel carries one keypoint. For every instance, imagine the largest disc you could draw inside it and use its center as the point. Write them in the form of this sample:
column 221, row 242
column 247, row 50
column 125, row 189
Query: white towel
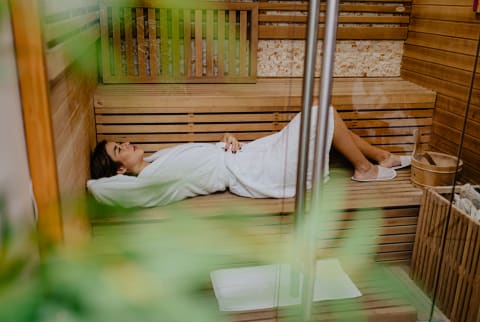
column 268, row 286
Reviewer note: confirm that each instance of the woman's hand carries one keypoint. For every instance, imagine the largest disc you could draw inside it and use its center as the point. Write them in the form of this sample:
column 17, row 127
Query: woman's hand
column 231, row 142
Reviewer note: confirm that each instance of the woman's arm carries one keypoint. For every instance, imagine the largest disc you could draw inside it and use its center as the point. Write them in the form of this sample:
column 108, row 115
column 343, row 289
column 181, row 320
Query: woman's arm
column 231, row 142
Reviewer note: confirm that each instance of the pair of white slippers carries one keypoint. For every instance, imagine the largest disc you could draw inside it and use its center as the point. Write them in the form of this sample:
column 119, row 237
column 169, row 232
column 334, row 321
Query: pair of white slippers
column 389, row 173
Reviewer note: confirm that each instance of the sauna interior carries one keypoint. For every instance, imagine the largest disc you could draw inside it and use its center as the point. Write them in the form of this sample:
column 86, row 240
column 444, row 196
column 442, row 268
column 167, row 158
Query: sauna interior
column 161, row 73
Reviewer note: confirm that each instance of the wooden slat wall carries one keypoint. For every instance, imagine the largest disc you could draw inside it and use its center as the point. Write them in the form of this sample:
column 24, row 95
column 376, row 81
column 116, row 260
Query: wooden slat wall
column 359, row 19
column 71, row 31
column 383, row 111
column 439, row 54
column 179, row 42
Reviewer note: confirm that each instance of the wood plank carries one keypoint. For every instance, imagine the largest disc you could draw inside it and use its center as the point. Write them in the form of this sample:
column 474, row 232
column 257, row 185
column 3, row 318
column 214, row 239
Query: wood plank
column 209, row 24
column 198, row 43
column 164, row 36
column 458, row 76
column 445, row 43
column 187, row 34
column 65, row 27
column 176, row 42
column 220, row 44
column 263, row 18
column 141, row 51
column 128, row 41
column 62, row 55
column 55, row 7
column 33, row 82
column 446, row 12
column 232, row 42
column 243, row 44
column 445, row 28
column 450, row 59
column 117, row 46
column 152, row 41
column 343, row 33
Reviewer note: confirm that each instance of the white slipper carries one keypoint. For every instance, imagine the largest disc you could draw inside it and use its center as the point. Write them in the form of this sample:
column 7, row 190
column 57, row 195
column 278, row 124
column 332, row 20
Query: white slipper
column 405, row 161
column 383, row 174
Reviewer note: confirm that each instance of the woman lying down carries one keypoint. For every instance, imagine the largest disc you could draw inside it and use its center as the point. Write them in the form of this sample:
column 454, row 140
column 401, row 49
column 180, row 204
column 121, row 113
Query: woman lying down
column 264, row 168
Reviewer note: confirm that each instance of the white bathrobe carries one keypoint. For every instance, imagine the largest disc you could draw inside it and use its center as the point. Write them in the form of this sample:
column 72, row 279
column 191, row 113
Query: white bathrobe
column 264, row 168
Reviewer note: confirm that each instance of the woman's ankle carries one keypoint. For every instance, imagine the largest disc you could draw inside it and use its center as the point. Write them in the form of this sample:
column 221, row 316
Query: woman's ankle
column 367, row 171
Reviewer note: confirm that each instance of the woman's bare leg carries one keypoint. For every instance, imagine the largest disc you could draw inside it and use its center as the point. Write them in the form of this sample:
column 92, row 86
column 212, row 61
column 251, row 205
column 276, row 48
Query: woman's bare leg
column 345, row 143
column 383, row 157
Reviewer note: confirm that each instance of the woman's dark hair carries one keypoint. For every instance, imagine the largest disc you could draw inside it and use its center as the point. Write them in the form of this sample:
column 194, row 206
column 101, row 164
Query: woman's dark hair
column 101, row 165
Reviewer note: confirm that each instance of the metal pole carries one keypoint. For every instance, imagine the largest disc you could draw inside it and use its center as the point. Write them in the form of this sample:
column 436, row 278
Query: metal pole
column 308, row 75
column 320, row 153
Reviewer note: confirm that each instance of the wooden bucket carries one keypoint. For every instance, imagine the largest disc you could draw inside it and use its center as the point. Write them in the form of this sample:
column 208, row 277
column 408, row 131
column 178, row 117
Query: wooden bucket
column 431, row 169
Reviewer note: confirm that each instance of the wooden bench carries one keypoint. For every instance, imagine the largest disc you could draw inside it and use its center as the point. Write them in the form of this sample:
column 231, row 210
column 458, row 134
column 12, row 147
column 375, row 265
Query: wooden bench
column 383, row 111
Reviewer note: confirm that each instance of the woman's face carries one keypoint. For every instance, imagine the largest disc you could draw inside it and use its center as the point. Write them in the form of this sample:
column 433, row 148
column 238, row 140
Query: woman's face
column 127, row 154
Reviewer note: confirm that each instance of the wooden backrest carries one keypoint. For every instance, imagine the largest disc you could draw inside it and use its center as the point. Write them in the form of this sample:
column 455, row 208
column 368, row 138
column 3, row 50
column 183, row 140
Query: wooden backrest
column 379, row 19
column 385, row 112
column 178, row 41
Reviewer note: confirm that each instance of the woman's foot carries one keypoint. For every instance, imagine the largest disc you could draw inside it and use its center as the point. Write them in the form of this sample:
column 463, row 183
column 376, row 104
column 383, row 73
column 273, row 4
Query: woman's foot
column 396, row 161
column 392, row 160
column 374, row 173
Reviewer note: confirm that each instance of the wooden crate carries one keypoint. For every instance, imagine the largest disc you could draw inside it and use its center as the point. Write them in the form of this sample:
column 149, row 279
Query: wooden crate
column 457, row 269
column 178, row 42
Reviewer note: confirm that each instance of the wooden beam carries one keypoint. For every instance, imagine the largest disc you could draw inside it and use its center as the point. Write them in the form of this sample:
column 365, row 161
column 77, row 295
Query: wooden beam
column 34, row 87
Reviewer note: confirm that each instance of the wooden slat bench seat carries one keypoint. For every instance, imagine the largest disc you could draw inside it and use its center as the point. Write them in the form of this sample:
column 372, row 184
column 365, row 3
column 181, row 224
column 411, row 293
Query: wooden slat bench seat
column 384, row 111
column 389, row 209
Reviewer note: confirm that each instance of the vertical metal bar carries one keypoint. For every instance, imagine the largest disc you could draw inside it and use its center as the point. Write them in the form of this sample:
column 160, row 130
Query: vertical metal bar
column 308, row 74
column 321, row 150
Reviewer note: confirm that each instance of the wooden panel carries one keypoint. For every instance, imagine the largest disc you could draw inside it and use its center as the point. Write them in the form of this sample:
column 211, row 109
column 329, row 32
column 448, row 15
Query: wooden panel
column 156, row 116
column 358, row 19
column 152, row 41
column 450, row 12
column 33, row 83
column 198, row 45
column 68, row 31
column 445, row 28
column 141, row 50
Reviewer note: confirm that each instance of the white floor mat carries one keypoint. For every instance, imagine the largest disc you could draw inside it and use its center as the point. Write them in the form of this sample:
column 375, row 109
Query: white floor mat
column 268, row 286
